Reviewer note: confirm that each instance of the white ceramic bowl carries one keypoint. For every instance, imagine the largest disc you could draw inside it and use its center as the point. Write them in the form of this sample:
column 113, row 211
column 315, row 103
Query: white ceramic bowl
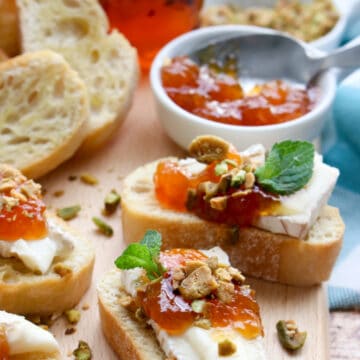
column 182, row 126
column 327, row 42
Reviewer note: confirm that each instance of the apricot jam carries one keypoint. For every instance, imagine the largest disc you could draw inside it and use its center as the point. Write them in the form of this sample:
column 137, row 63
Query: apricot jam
column 4, row 346
column 175, row 315
column 219, row 96
column 172, row 184
column 24, row 220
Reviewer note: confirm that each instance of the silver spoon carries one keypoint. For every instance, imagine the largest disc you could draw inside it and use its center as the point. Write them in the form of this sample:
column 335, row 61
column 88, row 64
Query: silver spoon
column 276, row 56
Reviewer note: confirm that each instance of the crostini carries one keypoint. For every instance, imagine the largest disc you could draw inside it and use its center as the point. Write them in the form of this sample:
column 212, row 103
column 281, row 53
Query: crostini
column 195, row 302
column 22, row 340
column 45, row 267
column 268, row 213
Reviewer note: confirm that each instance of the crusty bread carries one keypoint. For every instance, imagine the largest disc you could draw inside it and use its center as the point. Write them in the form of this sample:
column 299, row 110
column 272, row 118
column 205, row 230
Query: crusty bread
column 36, row 356
column 44, row 110
column 23, row 292
column 78, row 29
column 3, row 55
column 129, row 338
column 255, row 252
column 9, row 27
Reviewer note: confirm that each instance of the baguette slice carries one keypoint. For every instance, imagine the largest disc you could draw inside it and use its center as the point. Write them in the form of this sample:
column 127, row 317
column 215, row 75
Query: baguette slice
column 9, row 27
column 129, row 338
column 44, row 109
column 78, row 29
column 255, row 252
column 23, row 292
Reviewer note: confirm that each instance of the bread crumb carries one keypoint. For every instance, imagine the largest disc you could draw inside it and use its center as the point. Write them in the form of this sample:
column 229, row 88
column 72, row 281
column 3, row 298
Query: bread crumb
column 70, row 330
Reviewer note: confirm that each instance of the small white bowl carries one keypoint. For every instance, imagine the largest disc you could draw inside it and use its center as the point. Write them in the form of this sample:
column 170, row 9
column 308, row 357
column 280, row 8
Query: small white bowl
column 183, row 126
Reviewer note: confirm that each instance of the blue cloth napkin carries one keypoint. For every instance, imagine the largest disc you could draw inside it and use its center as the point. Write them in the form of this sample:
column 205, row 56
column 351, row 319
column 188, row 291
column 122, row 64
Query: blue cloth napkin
column 341, row 146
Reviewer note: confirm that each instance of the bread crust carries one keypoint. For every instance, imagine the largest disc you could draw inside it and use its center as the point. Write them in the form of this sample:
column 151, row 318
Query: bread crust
column 130, row 339
column 22, row 292
column 61, row 145
column 257, row 253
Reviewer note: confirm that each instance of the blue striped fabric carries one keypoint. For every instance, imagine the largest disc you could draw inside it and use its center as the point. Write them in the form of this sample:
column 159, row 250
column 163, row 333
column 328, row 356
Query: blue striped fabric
column 344, row 153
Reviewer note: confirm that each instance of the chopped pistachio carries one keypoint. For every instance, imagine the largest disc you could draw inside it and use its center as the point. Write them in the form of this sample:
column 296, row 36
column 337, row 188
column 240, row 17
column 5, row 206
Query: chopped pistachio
column 289, row 335
column 226, row 347
column 224, row 183
column 68, row 213
column 238, row 178
column 73, row 316
column 221, row 168
column 111, row 202
column 209, row 188
column 103, row 227
column 82, row 352
column 89, row 179
column 218, row 203
column 59, row 193
column 198, row 306
column 231, row 162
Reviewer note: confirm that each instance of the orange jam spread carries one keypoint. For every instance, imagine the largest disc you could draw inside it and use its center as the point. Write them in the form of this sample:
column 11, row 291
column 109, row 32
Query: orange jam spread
column 4, row 346
column 219, row 96
column 23, row 220
column 173, row 182
column 175, row 315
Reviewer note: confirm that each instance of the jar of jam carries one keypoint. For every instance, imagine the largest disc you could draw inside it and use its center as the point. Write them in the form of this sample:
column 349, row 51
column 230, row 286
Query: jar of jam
column 151, row 24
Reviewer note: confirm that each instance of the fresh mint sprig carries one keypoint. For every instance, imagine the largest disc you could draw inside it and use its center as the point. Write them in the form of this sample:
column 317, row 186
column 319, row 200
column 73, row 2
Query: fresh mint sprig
column 144, row 254
column 288, row 167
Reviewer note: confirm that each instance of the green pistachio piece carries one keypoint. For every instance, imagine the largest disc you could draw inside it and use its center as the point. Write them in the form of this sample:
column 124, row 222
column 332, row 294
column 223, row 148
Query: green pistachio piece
column 224, row 184
column 103, row 227
column 72, row 316
column 289, row 335
column 221, row 168
column 82, row 352
column 68, row 213
column 231, row 162
column 198, row 306
column 111, row 202
column 238, row 178
column 209, row 188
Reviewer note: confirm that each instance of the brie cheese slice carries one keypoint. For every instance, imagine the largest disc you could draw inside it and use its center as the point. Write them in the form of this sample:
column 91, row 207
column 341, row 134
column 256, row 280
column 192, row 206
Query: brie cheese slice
column 38, row 255
column 25, row 337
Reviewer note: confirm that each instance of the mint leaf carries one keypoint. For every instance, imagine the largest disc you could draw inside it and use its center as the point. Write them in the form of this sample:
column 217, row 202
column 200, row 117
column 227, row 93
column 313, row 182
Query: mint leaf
column 152, row 240
column 288, row 167
column 144, row 254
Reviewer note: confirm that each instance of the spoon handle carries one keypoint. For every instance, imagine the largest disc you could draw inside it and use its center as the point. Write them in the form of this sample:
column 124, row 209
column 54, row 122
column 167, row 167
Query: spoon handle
column 346, row 56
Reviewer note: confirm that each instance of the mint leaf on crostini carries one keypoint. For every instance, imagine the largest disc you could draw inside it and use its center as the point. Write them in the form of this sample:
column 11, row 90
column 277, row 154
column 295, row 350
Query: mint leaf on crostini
column 288, row 167
column 144, row 254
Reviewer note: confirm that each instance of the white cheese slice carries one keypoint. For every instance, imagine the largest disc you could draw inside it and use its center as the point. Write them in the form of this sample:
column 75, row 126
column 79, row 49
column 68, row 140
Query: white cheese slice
column 200, row 344
column 38, row 255
column 25, row 337
column 305, row 203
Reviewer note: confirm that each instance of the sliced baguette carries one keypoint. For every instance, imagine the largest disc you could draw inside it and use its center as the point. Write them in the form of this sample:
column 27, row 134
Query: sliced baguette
column 78, row 29
column 36, row 356
column 129, row 338
column 9, row 27
column 255, row 252
column 44, row 110
column 23, row 292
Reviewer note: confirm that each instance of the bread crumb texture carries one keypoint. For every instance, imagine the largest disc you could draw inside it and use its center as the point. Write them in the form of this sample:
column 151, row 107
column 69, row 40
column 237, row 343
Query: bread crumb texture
column 107, row 63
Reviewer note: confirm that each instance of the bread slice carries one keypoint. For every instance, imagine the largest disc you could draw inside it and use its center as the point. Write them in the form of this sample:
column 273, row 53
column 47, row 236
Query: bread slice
column 23, row 292
column 78, row 29
column 43, row 114
column 9, row 27
column 255, row 252
column 129, row 338
column 36, row 356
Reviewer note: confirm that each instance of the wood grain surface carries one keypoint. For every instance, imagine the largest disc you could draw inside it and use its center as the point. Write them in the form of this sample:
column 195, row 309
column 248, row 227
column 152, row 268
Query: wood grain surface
column 140, row 140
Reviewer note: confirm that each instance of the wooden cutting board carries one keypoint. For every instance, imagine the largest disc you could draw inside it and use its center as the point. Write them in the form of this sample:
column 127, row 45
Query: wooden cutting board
column 141, row 140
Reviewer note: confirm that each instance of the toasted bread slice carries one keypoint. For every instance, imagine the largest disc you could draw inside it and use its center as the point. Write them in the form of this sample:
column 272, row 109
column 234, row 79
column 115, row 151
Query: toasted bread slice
column 129, row 338
column 78, row 29
column 9, row 27
column 255, row 252
column 44, row 110
column 60, row 289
